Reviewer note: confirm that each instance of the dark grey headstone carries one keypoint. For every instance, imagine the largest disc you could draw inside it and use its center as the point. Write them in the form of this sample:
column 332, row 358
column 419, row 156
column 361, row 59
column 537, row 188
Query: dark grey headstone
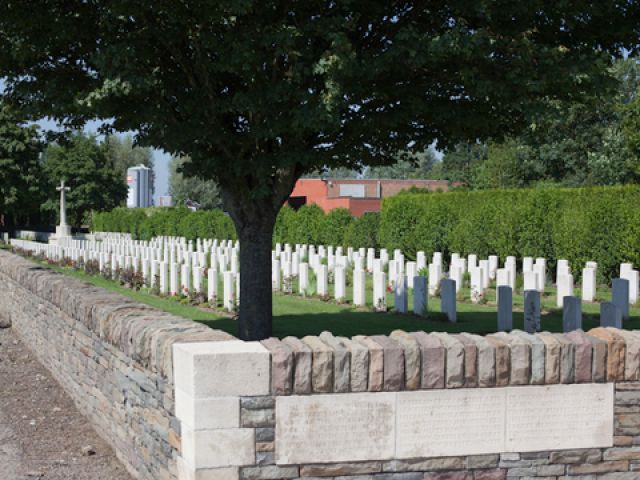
column 420, row 296
column 505, row 308
column 610, row 315
column 531, row 311
column 620, row 295
column 571, row 314
column 448, row 298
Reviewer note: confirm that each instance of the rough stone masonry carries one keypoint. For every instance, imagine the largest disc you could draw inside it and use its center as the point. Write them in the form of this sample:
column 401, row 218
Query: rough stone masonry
column 232, row 409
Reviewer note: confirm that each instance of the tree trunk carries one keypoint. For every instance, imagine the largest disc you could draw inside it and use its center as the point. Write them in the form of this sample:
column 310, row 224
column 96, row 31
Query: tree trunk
column 254, row 222
column 255, row 322
column 254, row 216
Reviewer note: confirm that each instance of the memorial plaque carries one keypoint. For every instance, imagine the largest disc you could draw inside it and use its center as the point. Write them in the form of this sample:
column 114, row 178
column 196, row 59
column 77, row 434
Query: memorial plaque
column 559, row 417
column 335, row 428
column 450, row 422
column 439, row 423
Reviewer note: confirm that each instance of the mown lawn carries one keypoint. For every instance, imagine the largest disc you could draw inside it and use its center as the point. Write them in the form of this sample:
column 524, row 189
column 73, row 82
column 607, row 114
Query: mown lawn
column 299, row 316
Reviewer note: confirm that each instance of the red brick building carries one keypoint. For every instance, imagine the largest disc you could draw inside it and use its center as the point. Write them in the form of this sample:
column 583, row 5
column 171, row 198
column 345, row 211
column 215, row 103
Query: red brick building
column 358, row 196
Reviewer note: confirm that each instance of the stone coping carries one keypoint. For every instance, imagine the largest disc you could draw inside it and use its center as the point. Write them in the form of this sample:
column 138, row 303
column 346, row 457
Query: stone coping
column 419, row 360
column 143, row 333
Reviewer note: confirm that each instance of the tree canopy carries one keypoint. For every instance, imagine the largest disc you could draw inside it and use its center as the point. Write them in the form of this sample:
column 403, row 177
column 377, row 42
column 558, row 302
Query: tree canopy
column 588, row 141
column 20, row 181
column 123, row 153
column 182, row 188
column 84, row 165
column 259, row 93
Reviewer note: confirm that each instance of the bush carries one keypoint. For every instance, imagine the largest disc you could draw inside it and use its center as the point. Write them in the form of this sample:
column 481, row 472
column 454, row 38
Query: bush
column 363, row 231
column 145, row 224
column 305, row 226
column 600, row 224
column 334, row 226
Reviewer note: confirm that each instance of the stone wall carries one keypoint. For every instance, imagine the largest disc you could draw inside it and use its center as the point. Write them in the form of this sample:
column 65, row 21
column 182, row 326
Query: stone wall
column 112, row 355
column 176, row 402
column 413, row 407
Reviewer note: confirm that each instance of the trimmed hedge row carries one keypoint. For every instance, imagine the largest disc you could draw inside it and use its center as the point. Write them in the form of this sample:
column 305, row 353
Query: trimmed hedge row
column 578, row 224
column 312, row 226
column 145, row 224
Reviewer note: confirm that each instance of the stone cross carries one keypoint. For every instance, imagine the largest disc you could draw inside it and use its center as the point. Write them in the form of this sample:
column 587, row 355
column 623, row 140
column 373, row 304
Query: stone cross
column 63, row 204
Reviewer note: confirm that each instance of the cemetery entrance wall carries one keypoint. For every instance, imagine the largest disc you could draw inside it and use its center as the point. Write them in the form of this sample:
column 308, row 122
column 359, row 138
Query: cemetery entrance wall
column 178, row 400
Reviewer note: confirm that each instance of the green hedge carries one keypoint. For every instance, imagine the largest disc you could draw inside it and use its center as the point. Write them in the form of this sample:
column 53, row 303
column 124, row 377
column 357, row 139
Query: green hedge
column 145, row 224
column 578, row 224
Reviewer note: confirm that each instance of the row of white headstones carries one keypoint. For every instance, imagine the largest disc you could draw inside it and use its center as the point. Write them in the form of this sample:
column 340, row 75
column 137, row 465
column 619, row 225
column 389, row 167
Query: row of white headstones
column 177, row 266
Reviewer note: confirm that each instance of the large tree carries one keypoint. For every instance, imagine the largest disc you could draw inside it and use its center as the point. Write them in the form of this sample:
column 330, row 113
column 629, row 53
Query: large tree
column 20, row 174
column 259, row 92
column 123, row 153
column 85, row 167
column 182, row 188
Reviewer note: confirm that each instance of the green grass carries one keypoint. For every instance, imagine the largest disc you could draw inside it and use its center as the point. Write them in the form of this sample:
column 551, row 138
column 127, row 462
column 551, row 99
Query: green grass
column 298, row 316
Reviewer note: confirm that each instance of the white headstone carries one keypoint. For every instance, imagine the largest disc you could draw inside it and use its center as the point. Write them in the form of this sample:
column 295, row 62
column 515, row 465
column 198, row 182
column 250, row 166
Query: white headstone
column 565, row 288
column 339, row 284
column 380, row 291
column 588, row 284
column 359, row 287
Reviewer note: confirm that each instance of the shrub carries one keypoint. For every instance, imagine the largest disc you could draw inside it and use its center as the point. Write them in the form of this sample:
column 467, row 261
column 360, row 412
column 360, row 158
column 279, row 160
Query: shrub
column 334, row 226
column 306, row 225
column 363, row 231
column 145, row 224
column 579, row 224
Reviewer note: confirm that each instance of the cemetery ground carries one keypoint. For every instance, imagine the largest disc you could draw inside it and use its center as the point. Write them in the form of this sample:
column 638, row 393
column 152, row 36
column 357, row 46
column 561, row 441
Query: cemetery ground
column 298, row 316
column 42, row 434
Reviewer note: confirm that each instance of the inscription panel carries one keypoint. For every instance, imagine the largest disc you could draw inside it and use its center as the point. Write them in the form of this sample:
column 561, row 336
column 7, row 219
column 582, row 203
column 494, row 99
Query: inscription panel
column 440, row 423
column 559, row 417
column 335, row 428
column 450, row 422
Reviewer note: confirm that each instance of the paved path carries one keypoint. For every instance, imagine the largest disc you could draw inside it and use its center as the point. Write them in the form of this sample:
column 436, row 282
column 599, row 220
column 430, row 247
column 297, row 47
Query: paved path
column 42, row 434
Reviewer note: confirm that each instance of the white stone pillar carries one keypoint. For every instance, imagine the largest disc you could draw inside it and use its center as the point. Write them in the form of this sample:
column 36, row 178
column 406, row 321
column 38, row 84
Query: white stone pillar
column 322, row 279
column 493, row 266
column 287, row 278
column 210, row 378
column 275, row 275
column 530, row 278
column 412, row 271
column 197, row 279
column 455, row 274
column 472, row 260
column 173, row 279
column 435, row 276
column 340, row 285
column 540, row 268
column 371, row 256
column 185, row 280
column 359, row 287
column 588, row 284
column 562, row 268
column 229, row 291
column 212, row 286
column 476, row 285
column 565, row 288
column 380, row 291
column 632, row 277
